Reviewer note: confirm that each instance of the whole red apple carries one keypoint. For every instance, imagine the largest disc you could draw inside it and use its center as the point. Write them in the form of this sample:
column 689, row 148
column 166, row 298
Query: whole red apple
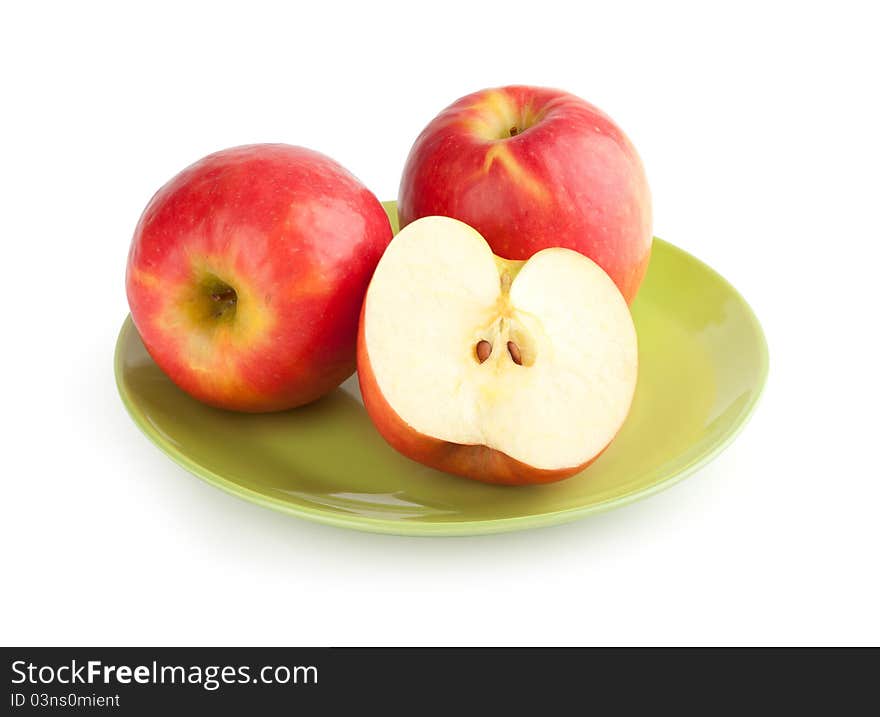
column 532, row 168
column 247, row 272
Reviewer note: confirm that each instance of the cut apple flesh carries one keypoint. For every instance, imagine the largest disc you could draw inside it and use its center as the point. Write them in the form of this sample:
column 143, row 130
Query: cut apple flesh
column 535, row 359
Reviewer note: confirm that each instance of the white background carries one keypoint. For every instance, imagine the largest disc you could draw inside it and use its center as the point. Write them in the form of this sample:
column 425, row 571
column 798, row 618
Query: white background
column 758, row 126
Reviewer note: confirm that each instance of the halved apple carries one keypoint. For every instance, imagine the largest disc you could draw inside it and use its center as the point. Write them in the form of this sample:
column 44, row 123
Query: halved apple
column 503, row 371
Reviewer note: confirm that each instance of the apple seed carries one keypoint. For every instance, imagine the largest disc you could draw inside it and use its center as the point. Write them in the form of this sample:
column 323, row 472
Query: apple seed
column 514, row 352
column 484, row 348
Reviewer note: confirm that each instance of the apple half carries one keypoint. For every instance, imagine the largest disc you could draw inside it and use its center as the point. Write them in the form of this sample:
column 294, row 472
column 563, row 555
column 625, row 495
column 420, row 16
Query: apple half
column 510, row 372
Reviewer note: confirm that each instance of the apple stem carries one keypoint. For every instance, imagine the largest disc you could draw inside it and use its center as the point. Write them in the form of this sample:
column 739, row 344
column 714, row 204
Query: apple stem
column 514, row 131
column 506, row 281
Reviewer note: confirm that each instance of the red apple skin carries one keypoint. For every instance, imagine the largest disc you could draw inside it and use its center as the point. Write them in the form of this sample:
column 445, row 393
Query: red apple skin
column 569, row 178
column 295, row 235
column 477, row 462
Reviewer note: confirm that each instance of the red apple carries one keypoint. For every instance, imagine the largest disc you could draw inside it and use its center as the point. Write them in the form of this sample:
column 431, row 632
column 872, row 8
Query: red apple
column 503, row 371
column 532, row 168
column 247, row 272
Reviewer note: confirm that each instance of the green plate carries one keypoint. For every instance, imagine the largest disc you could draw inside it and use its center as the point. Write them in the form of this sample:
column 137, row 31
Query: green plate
column 703, row 363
